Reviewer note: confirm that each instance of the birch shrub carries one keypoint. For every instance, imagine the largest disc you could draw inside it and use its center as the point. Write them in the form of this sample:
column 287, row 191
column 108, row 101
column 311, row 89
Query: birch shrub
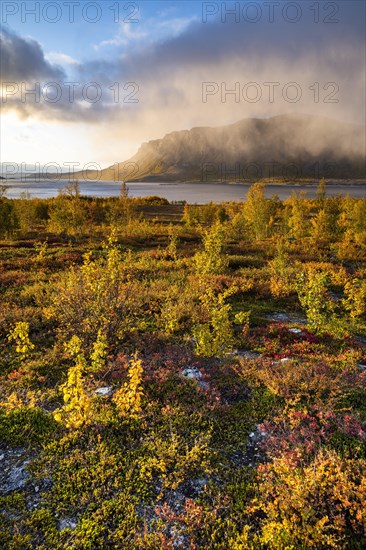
column 215, row 337
column 93, row 298
column 212, row 259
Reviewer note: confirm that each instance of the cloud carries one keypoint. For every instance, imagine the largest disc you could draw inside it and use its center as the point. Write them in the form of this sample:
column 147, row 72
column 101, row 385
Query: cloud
column 173, row 27
column 22, row 59
column 60, row 58
column 326, row 61
column 154, row 30
column 125, row 36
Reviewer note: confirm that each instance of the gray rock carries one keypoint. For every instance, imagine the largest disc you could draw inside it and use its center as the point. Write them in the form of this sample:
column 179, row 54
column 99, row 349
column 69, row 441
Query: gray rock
column 193, row 373
column 282, row 317
column 105, row 391
column 17, row 477
column 67, row 523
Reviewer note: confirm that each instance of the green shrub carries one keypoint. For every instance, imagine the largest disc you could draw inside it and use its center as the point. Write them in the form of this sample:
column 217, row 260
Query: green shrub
column 212, row 260
column 26, row 425
column 215, row 337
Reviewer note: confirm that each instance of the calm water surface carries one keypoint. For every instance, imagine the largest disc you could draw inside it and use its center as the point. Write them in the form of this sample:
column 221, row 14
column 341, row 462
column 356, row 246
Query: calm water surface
column 199, row 192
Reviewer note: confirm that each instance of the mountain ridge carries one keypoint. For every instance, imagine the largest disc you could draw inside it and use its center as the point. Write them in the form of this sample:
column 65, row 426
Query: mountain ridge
column 285, row 146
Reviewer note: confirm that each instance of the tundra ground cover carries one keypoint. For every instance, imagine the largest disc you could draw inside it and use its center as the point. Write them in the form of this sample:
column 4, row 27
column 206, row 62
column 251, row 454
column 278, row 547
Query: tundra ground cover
column 182, row 376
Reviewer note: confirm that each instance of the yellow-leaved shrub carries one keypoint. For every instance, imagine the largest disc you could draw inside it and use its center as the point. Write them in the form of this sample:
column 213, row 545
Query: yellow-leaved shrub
column 20, row 335
column 128, row 397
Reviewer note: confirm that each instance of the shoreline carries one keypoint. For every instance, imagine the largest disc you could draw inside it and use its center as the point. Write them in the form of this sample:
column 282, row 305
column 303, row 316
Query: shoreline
column 333, row 181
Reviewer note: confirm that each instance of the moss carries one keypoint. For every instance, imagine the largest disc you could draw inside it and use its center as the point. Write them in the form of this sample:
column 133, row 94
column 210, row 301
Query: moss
column 356, row 400
column 30, row 425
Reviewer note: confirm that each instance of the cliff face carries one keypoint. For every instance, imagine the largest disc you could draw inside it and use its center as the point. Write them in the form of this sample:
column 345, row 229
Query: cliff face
column 286, row 145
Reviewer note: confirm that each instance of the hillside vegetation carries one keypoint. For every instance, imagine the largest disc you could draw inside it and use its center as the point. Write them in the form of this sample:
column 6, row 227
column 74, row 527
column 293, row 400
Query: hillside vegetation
column 285, row 147
column 182, row 376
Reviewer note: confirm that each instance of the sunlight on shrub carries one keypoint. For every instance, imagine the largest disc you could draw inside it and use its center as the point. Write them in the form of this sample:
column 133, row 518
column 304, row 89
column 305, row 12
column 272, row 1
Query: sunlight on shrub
column 215, row 337
column 355, row 301
column 128, row 398
column 20, row 335
column 314, row 298
column 281, row 272
column 316, row 506
column 77, row 409
column 212, row 260
column 93, row 298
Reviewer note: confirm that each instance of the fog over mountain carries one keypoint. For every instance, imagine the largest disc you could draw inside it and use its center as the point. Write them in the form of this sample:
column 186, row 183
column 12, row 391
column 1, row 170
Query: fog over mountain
column 291, row 146
column 102, row 89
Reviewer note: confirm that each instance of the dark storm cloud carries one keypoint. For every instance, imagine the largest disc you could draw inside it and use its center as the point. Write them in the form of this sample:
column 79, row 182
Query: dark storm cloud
column 170, row 73
column 23, row 60
column 216, row 41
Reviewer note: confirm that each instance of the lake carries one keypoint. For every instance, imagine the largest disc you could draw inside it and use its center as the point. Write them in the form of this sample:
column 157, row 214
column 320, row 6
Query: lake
column 200, row 193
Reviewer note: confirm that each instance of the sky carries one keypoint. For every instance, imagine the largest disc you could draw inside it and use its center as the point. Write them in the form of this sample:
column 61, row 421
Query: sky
column 85, row 83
